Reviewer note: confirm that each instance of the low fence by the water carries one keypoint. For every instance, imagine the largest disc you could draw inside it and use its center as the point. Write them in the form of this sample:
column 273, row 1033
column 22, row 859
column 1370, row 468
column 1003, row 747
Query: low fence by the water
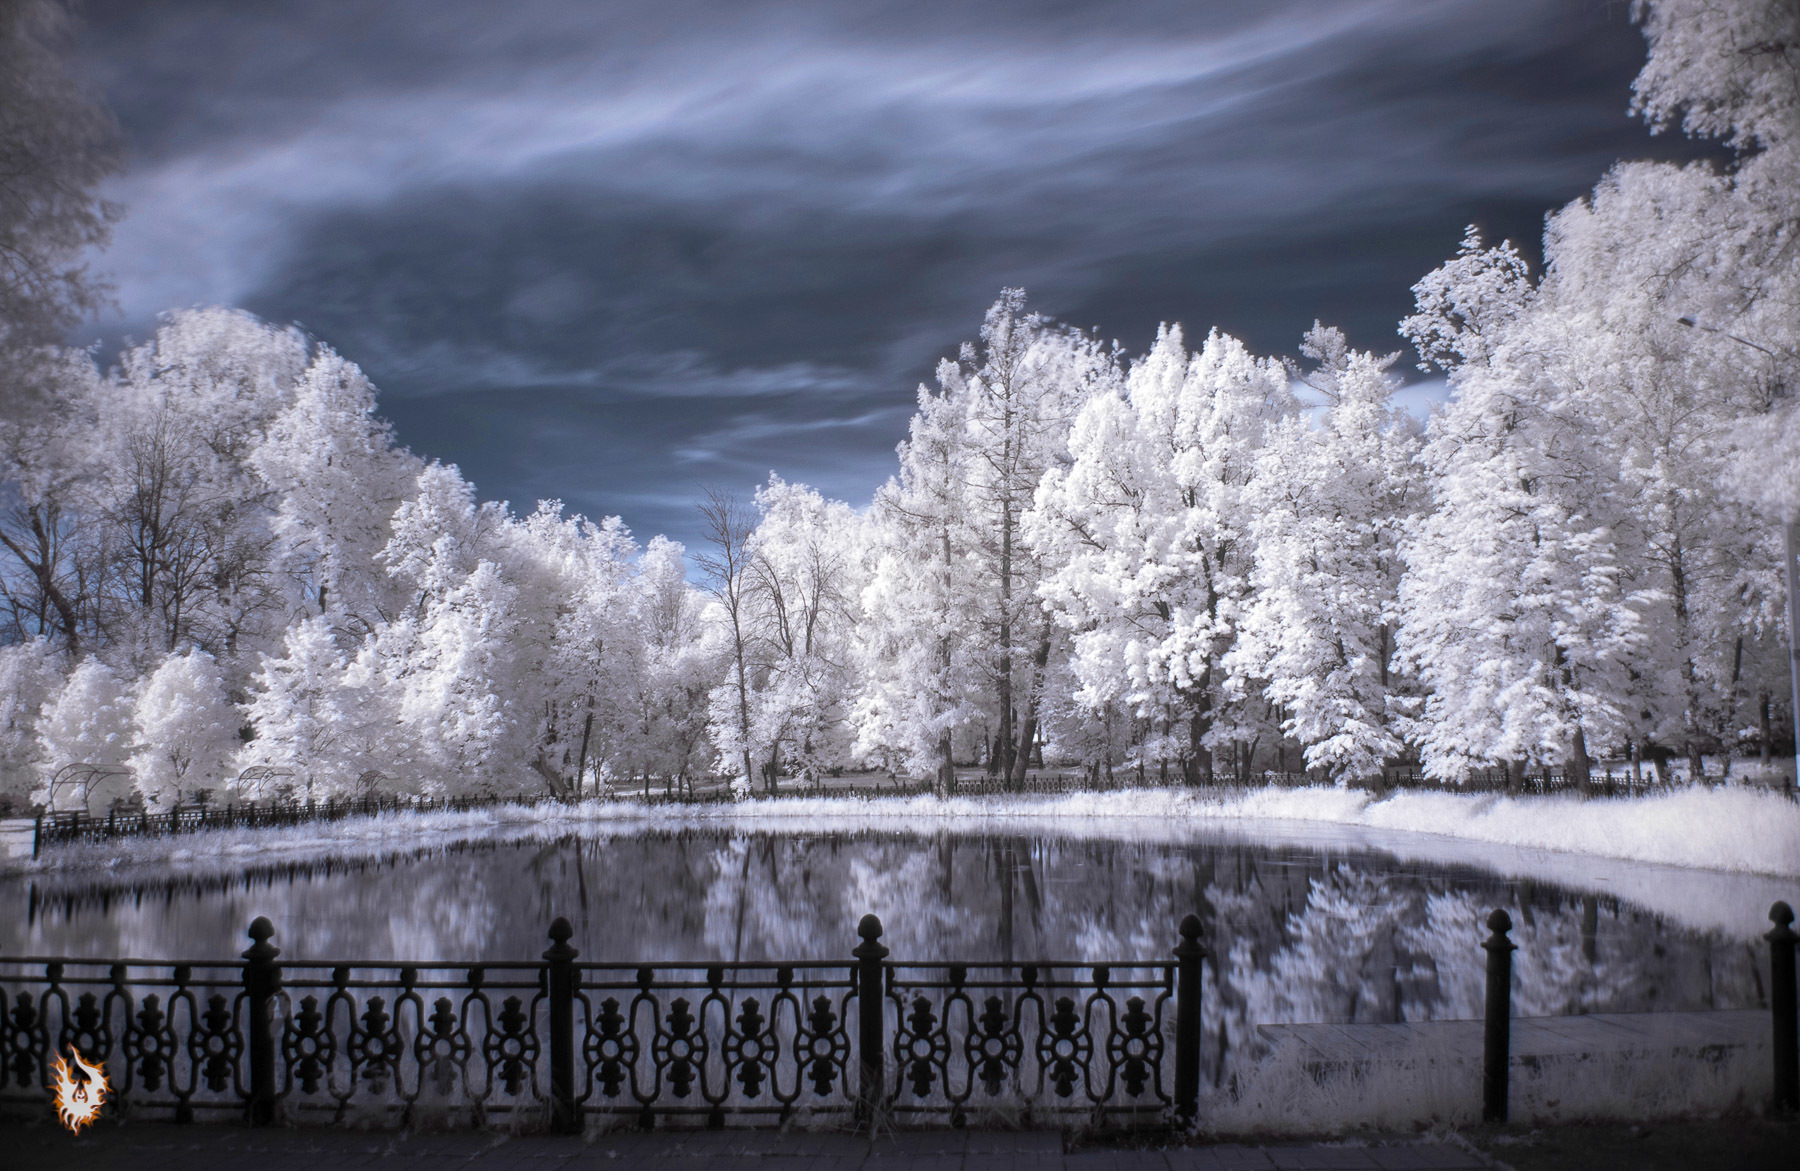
column 1600, row 782
column 63, row 827
column 71, row 826
column 559, row 1038
column 553, row 1041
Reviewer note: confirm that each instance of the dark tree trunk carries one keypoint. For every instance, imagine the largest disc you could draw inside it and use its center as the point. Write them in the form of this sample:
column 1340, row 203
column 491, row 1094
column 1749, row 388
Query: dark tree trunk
column 1198, row 764
column 1028, row 735
column 587, row 729
column 1580, row 764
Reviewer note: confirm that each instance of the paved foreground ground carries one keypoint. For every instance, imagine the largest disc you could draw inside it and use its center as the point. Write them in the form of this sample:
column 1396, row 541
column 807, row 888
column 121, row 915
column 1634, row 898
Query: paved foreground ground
column 1735, row 1145
column 155, row 1148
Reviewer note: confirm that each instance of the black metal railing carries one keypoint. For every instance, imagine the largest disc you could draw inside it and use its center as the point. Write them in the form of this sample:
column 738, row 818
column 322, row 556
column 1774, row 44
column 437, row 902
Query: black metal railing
column 554, row 1041
column 1601, row 782
column 551, row 1041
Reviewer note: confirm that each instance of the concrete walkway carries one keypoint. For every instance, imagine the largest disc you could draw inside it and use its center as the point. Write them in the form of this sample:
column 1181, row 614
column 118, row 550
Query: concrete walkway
column 1657, row 1035
column 150, row 1147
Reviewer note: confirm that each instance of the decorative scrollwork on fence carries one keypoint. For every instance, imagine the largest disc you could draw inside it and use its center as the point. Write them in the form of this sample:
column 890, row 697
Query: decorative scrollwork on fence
column 753, row 1039
column 822, row 1047
column 1045, row 1036
column 308, row 1045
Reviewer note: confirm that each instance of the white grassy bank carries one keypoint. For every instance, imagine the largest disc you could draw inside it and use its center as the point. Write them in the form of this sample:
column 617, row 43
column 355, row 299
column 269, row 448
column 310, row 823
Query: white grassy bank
column 1745, row 831
column 1736, row 830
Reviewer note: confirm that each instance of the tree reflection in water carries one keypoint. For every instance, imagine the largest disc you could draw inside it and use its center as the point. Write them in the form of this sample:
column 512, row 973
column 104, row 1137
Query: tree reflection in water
column 1297, row 935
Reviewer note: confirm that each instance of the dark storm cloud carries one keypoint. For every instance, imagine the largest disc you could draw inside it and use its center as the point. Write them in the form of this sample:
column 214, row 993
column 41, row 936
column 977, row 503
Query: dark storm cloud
column 608, row 253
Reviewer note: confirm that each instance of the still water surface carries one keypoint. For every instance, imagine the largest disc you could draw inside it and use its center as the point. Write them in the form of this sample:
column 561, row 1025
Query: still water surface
column 1298, row 934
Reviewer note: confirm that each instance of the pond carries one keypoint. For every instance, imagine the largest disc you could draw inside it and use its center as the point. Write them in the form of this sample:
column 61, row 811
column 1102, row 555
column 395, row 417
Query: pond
column 1302, row 927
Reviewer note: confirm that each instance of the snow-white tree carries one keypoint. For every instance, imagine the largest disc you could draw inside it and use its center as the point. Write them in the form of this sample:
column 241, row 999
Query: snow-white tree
column 1022, row 388
column 726, row 568
column 1725, row 71
column 337, row 479
column 683, row 655
column 454, row 699
column 184, row 516
column 916, row 636
column 1466, row 303
column 1149, row 530
column 439, row 533
column 576, row 649
column 1700, row 270
column 1327, row 504
column 85, row 729
column 1516, row 612
column 305, row 714
column 186, row 730
column 434, row 680
column 30, row 672
column 961, row 633
column 1665, row 399
column 1663, row 336
column 804, row 559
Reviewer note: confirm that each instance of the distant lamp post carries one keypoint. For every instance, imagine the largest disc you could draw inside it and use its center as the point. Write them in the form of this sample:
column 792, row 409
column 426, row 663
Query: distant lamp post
column 1790, row 564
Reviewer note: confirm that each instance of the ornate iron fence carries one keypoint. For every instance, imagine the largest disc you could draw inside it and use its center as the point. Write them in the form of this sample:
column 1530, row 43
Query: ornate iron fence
column 555, row 1040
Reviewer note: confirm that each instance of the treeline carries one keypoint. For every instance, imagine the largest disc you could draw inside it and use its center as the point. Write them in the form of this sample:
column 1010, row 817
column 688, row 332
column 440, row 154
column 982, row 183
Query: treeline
column 1197, row 560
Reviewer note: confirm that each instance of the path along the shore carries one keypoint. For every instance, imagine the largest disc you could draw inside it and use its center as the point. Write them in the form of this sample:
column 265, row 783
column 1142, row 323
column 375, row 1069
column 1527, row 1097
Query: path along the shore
column 1744, row 1144
column 150, row 1147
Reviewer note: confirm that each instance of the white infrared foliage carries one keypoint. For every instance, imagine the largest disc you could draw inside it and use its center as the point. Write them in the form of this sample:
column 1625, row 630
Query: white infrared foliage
column 186, row 729
column 219, row 574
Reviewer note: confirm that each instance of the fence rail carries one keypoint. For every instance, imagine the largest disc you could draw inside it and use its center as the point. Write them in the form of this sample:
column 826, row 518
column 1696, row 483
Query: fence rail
column 558, row 1039
column 1601, row 782
column 65, row 827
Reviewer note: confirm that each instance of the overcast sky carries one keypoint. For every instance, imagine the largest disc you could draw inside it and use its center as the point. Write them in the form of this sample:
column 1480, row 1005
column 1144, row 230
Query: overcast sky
column 611, row 253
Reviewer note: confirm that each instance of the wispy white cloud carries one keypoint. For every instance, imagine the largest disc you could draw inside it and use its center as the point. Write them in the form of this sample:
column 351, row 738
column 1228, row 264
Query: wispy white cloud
column 703, row 237
column 777, row 119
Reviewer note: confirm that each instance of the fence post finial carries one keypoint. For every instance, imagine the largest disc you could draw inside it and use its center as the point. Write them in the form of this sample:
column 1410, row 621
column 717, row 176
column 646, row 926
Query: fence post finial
column 565, row 1117
column 1496, row 1040
column 869, row 993
column 1783, row 1013
column 262, row 979
column 1190, row 955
